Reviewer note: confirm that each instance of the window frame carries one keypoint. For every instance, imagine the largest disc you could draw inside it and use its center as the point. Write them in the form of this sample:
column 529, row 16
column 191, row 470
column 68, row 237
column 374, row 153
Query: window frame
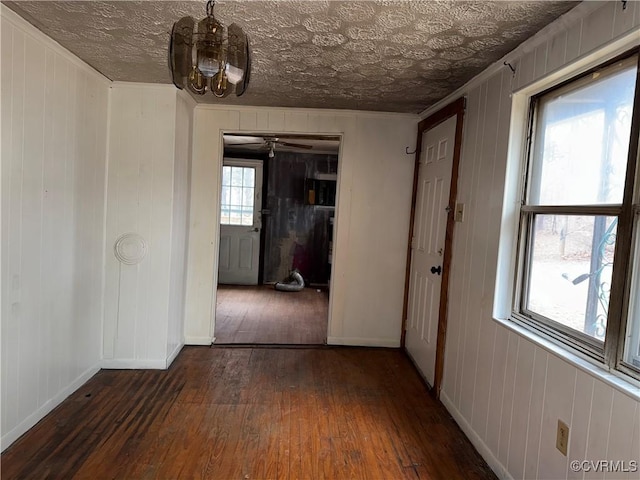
column 243, row 164
column 629, row 303
column 608, row 353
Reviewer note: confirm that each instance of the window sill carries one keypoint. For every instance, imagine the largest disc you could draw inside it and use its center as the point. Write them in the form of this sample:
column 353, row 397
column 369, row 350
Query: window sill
column 615, row 379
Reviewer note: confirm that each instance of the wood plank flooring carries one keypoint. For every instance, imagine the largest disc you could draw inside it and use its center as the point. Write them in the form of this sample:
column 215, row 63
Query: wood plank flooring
column 251, row 413
column 263, row 315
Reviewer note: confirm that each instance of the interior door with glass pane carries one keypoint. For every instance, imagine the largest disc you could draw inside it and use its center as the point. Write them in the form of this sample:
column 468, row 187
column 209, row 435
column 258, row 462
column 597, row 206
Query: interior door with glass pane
column 240, row 222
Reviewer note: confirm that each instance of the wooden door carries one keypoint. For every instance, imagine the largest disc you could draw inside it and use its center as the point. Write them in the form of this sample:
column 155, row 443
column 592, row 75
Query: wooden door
column 240, row 222
column 428, row 243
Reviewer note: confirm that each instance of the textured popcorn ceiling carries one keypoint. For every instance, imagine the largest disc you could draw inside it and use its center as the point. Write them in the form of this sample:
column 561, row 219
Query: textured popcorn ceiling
column 372, row 55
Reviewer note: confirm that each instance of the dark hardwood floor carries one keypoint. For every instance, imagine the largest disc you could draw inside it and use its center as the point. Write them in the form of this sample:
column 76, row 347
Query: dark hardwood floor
column 251, row 413
column 263, row 315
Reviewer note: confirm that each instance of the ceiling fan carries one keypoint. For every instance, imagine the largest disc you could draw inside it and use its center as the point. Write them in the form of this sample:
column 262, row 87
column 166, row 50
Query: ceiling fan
column 270, row 143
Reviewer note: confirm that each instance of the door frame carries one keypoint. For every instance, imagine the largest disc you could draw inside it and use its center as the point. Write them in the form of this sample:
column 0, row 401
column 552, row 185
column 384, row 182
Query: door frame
column 339, row 187
column 455, row 108
column 265, row 166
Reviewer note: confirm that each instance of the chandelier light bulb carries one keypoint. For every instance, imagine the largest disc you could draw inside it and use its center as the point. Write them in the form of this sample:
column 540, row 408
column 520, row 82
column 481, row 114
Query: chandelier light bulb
column 197, row 83
column 208, row 66
column 219, row 84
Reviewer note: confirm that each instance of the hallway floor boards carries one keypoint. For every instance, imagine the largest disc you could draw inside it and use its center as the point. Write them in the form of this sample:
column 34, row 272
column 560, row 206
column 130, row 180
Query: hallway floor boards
column 252, row 413
column 263, row 315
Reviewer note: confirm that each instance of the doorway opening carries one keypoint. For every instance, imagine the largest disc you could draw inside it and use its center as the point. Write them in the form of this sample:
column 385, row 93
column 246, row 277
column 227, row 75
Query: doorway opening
column 278, row 205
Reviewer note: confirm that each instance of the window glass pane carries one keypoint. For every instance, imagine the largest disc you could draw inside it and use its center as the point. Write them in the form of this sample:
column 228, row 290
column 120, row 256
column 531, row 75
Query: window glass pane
column 247, row 197
column 236, row 176
column 570, row 270
column 632, row 347
column 249, row 177
column 582, row 140
column 235, row 215
column 226, row 176
column 225, row 196
column 236, row 195
column 247, row 216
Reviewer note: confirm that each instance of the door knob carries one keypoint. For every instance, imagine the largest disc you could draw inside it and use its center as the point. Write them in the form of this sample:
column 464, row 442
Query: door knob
column 437, row 269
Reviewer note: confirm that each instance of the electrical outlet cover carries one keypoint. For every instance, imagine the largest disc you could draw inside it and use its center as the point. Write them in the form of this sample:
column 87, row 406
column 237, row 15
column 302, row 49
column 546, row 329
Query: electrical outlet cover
column 562, row 437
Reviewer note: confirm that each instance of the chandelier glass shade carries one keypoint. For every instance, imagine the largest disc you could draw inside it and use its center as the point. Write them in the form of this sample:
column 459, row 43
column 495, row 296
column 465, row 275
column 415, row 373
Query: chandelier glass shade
column 207, row 56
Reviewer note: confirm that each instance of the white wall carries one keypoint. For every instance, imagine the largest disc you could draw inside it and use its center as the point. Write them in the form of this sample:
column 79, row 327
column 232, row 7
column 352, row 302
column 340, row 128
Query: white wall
column 372, row 217
column 180, row 223
column 147, row 195
column 54, row 127
column 506, row 392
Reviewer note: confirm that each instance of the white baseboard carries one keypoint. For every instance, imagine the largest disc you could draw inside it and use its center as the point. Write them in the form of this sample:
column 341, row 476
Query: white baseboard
column 364, row 342
column 198, row 340
column 134, row 363
column 11, row 436
column 174, row 354
column 498, row 468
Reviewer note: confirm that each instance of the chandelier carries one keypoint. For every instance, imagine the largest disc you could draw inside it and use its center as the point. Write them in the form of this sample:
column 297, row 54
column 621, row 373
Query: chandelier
column 208, row 56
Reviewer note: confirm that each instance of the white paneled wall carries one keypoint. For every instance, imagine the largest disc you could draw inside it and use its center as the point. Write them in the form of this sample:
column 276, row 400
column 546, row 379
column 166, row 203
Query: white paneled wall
column 54, row 127
column 372, row 216
column 506, row 392
column 147, row 195
column 180, row 223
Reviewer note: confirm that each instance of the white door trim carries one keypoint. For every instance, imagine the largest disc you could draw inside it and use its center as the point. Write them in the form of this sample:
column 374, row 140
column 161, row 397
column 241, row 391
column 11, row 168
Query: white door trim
column 455, row 108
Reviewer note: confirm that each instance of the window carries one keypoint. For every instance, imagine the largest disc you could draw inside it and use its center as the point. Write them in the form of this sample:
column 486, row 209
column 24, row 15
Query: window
column 238, row 192
column 579, row 258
